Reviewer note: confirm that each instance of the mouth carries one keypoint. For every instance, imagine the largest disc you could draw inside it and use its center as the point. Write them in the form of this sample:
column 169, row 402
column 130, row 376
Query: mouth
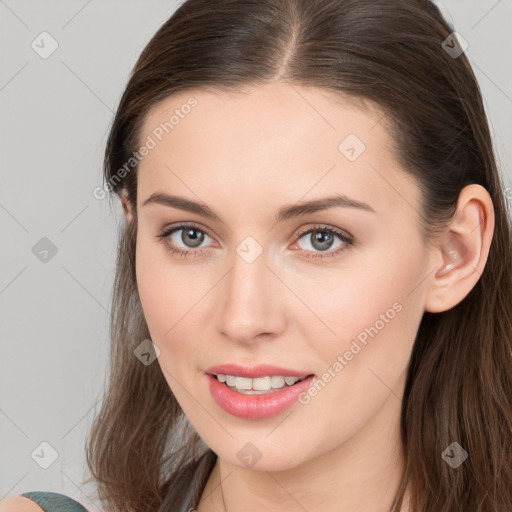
column 256, row 392
column 258, row 385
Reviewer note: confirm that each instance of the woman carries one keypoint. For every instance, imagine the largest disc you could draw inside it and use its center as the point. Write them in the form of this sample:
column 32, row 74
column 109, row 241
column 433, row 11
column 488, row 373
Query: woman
column 344, row 343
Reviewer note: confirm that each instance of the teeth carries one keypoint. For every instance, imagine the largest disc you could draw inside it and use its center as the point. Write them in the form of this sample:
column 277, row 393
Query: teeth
column 262, row 384
column 277, row 381
column 259, row 384
column 243, row 383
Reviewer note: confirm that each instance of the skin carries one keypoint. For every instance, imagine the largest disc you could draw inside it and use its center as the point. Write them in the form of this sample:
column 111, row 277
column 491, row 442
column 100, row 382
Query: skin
column 17, row 503
column 342, row 450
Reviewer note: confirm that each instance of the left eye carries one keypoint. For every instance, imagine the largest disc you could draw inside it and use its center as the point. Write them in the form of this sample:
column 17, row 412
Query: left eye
column 321, row 239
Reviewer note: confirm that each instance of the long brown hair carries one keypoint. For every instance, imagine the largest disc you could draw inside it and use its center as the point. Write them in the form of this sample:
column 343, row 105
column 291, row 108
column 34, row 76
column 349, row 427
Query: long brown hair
column 142, row 451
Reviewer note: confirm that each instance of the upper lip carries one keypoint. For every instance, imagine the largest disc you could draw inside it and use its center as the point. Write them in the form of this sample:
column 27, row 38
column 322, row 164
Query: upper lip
column 261, row 370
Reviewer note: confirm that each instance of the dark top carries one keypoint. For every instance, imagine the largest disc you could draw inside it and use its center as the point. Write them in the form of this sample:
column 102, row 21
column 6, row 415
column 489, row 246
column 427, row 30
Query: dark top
column 54, row 502
column 184, row 492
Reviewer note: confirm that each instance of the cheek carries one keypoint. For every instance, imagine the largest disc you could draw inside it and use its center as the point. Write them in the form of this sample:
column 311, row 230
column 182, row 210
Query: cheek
column 370, row 290
column 165, row 310
column 154, row 291
column 372, row 316
column 171, row 295
column 167, row 290
column 163, row 306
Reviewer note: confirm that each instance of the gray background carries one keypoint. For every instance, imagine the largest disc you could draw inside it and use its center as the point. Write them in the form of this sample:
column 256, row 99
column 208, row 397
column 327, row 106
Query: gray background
column 55, row 115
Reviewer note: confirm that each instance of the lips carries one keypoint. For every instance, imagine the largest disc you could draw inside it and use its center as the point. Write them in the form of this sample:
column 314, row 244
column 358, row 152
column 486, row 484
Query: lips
column 252, row 372
column 257, row 405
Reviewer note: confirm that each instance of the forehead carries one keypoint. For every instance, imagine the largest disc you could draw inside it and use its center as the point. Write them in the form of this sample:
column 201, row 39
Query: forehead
column 297, row 140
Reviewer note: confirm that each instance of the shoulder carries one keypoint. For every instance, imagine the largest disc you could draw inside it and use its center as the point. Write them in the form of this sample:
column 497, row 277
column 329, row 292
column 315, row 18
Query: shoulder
column 37, row 501
column 19, row 504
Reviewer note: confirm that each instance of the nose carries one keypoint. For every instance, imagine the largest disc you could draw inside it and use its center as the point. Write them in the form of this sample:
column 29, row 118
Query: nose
column 251, row 301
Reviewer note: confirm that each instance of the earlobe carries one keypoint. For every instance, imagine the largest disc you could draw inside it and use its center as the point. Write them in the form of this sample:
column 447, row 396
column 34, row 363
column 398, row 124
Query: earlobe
column 463, row 252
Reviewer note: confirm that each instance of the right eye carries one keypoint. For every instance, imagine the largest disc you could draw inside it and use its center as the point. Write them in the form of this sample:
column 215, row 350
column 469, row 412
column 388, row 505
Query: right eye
column 190, row 234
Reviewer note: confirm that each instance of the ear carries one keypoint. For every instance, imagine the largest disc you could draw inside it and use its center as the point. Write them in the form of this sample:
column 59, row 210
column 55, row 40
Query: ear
column 125, row 203
column 462, row 253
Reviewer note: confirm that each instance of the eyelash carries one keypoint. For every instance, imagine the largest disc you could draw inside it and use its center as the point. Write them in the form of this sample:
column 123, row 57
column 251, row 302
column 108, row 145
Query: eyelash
column 163, row 237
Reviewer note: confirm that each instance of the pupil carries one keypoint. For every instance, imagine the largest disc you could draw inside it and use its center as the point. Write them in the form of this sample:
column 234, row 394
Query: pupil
column 324, row 238
column 196, row 240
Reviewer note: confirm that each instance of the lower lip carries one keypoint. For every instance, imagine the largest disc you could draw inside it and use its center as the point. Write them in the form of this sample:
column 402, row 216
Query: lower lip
column 264, row 405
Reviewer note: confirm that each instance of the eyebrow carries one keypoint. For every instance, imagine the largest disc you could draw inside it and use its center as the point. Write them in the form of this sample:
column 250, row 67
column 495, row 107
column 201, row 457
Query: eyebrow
column 285, row 213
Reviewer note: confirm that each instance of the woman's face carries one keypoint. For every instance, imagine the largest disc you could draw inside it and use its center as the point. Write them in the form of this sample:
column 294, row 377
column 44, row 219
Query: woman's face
column 256, row 287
